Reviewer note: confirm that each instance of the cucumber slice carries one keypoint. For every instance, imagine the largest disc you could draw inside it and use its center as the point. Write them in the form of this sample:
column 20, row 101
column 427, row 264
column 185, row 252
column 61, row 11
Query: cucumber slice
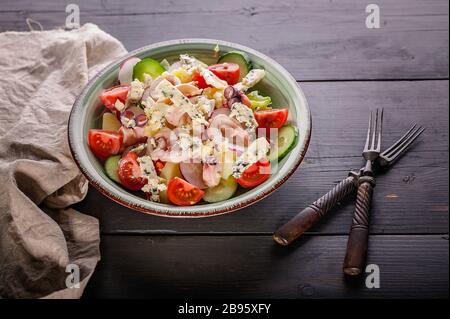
column 240, row 58
column 225, row 189
column 287, row 138
column 149, row 66
column 111, row 167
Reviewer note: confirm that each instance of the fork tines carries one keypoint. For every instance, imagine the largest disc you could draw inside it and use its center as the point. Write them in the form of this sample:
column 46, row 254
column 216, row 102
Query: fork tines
column 374, row 131
column 404, row 142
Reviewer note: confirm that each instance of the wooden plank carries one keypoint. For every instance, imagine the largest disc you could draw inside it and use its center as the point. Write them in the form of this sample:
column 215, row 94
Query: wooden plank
column 411, row 198
column 254, row 267
column 314, row 39
column 405, row 203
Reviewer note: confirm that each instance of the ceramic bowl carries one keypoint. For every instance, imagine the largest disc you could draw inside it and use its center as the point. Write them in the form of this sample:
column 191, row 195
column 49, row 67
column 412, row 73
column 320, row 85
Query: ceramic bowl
column 278, row 83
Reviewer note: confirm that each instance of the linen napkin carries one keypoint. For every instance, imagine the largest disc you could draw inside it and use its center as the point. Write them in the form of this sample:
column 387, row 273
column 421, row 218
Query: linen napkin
column 41, row 240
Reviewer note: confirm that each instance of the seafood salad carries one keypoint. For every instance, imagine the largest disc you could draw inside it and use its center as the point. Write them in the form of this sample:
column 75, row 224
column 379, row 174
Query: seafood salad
column 186, row 132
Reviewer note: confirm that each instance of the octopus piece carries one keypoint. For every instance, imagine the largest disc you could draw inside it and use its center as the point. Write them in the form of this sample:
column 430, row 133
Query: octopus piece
column 212, row 173
column 193, row 174
column 176, row 116
column 226, row 127
column 132, row 136
column 188, row 90
column 166, row 147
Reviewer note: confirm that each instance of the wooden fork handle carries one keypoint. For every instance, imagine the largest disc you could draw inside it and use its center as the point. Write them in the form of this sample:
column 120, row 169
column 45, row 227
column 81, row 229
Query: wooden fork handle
column 355, row 258
column 294, row 228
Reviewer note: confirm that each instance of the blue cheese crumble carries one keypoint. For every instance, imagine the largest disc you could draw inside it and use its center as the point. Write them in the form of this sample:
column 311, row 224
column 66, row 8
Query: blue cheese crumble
column 244, row 115
column 250, row 80
column 119, row 105
column 256, row 151
column 156, row 114
column 127, row 122
column 168, row 90
column 136, row 92
column 155, row 185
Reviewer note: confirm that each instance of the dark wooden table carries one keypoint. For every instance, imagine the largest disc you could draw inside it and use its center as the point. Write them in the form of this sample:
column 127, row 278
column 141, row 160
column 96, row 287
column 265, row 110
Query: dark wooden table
column 345, row 70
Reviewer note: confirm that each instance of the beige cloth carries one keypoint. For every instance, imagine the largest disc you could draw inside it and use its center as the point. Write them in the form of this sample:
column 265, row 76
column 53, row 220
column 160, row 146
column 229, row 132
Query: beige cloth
column 41, row 74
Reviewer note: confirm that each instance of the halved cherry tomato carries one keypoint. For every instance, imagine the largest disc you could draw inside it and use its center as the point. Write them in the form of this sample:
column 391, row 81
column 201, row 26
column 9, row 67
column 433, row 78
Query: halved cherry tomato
column 159, row 165
column 201, row 83
column 111, row 95
column 256, row 174
column 182, row 193
column 274, row 118
column 129, row 172
column 245, row 100
column 104, row 143
column 229, row 72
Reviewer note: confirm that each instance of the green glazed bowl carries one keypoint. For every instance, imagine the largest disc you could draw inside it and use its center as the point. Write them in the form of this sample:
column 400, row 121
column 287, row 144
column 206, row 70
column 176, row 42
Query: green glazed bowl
column 278, row 83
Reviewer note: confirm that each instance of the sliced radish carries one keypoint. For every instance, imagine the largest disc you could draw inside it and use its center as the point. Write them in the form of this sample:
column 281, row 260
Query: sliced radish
column 126, row 70
column 193, row 173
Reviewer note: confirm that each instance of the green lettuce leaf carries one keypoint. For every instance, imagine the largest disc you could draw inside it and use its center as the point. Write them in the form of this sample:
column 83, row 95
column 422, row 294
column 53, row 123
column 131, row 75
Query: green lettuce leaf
column 258, row 101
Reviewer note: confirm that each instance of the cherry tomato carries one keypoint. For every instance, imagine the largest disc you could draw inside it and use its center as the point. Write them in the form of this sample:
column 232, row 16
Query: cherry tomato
column 182, row 193
column 104, row 143
column 256, row 174
column 229, row 72
column 111, row 95
column 130, row 174
column 274, row 118
column 201, row 83
column 159, row 165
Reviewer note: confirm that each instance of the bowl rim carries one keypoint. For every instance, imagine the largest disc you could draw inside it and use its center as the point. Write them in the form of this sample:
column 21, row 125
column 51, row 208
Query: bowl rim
column 191, row 214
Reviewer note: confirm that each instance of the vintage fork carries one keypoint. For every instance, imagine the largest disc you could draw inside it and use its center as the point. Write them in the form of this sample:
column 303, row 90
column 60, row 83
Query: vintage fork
column 300, row 223
column 393, row 153
column 359, row 233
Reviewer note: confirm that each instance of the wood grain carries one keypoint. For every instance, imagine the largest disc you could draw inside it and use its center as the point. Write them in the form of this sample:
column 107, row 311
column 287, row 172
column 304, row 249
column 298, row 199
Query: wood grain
column 411, row 198
column 313, row 39
column 255, row 267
